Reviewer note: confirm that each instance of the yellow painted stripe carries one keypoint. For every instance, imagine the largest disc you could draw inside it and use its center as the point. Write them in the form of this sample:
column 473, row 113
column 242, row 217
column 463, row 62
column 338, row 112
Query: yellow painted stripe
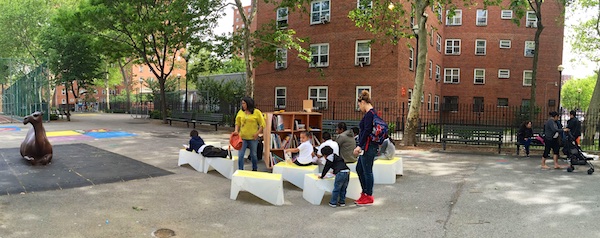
column 385, row 161
column 62, row 133
column 295, row 166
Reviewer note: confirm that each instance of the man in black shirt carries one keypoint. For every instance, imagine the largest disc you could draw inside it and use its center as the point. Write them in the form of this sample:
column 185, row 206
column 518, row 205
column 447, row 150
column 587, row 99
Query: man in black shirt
column 574, row 125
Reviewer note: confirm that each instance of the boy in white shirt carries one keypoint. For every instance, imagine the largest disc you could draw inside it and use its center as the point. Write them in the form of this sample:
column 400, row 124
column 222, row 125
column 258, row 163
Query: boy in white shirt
column 306, row 151
column 327, row 141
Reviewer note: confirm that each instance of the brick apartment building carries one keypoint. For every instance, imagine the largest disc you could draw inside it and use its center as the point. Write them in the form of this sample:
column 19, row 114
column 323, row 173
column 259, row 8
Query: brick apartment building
column 476, row 57
column 238, row 23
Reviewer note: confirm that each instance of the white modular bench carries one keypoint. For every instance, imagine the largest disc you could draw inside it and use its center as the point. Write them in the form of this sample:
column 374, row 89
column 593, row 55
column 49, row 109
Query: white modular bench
column 194, row 159
column 266, row 186
column 294, row 173
column 384, row 171
column 224, row 166
column 315, row 188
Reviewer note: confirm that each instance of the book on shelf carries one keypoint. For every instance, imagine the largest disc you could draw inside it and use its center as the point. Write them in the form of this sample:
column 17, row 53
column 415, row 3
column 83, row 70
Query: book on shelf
column 279, row 122
column 315, row 141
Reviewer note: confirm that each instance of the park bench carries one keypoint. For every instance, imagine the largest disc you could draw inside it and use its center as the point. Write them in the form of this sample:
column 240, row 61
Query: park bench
column 534, row 142
column 61, row 113
column 476, row 135
column 331, row 125
column 208, row 118
column 181, row 116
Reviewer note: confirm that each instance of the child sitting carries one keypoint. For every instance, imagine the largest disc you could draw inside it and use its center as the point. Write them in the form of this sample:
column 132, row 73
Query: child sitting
column 195, row 142
column 305, row 149
column 387, row 150
column 342, row 176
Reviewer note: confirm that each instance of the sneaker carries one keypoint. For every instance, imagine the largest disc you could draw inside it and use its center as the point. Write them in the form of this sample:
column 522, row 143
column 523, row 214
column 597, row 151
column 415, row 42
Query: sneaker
column 362, row 197
column 367, row 201
column 342, row 204
column 332, row 205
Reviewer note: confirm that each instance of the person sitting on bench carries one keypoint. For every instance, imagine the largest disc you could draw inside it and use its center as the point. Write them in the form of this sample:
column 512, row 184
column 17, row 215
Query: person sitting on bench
column 306, row 152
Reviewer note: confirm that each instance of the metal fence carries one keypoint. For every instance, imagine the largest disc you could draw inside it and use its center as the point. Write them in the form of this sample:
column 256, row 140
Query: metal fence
column 28, row 88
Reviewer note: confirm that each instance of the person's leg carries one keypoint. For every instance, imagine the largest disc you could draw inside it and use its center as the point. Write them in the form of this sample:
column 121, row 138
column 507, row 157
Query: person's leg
column 345, row 180
column 526, row 144
column 547, row 148
column 360, row 172
column 335, row 194
column 241, row 154
column 555, row 154
column 253, row 156
column 367, row 165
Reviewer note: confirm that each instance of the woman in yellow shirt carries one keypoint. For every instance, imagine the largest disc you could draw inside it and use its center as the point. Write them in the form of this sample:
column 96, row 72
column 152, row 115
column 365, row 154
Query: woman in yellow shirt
column 249, row 122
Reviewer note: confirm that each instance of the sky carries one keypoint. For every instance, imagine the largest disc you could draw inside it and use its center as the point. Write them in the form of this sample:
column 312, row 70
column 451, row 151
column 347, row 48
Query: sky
column 579, row 69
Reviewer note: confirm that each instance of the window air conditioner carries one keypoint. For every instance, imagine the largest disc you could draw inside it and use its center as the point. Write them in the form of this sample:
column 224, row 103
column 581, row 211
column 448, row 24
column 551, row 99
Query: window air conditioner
column 325, row 19
column 362, row 61
column 531, row 24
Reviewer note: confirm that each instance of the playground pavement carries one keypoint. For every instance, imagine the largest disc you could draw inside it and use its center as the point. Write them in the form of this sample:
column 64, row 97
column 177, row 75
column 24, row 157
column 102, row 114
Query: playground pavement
column 442, row 194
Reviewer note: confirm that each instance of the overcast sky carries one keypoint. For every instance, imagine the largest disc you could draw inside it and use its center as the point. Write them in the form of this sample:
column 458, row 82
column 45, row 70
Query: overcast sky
column 579, row 69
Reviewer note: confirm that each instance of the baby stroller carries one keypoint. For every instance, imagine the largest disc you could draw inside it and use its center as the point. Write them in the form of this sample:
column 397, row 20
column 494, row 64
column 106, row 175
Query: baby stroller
column 575, row 155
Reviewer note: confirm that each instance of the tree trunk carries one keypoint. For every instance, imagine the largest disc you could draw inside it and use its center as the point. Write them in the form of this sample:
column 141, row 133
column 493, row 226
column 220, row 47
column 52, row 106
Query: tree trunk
column 246, row 46
column 592, row 117
column 68, row 111
column 163, row 99
column 126, row 82
column 412, row 120
column 538, row 32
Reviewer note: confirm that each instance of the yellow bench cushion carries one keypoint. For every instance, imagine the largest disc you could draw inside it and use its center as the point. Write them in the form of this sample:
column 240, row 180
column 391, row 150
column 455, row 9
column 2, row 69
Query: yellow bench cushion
column 385, row 161
column 259, row 175
column 295, row 166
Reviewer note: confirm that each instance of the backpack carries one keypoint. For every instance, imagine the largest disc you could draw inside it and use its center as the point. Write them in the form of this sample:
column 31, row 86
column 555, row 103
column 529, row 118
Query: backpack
column 380, row 130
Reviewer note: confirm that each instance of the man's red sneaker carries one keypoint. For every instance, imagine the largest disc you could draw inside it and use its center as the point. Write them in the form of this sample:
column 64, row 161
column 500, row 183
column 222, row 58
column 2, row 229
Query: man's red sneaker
column 366, row 202
column 363, row 196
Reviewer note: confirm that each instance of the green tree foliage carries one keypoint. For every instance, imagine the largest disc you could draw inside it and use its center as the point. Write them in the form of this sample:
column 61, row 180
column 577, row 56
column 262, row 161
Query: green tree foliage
column 577, row 93
column 71, row 56
column 153, row 32
column 221, row 92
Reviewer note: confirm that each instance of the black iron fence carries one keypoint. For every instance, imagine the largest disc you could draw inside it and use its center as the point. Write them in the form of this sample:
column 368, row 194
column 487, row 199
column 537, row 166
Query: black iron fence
column 431, row 117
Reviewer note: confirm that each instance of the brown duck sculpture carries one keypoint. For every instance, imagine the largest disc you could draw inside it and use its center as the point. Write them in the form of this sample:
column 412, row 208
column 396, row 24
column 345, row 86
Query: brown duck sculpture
column 36, row 148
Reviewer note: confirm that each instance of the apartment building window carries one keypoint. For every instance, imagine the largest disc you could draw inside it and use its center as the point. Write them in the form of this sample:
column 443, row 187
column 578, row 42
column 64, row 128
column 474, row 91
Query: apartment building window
column 453, row 46
column 452, row 75
column 359, row 90
column 529, row 48
column 282, row 17
column 481, row 17
column 63, row 91
column 504, row 44
column 431, row 36
column 363, row 53
column 63, row 101
column 438, row 73
column 531, row 20
column 319, row 96
column 436, row 103
column 281, row 58
column 141, row 68
column 319, row 11
column 103, row 92
column 480, row 47
column 450, row 103
column 479, row 76
column 320, row 55
column 364, row 4
column 430, row 69
column 429, row 102
column 503, row 73
column 440, row 14
column 438, row 43
column 409, row 97
column 506, row 14
column 477, row 104
column 527, row 77
column 455, row 20
column 502, row 102
column 411, row 58
column 525, row 103
column 280, row 95
column 422, row 100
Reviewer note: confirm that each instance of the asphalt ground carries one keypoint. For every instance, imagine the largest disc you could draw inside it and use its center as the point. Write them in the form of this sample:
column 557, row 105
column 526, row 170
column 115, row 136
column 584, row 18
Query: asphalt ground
column 442, row 194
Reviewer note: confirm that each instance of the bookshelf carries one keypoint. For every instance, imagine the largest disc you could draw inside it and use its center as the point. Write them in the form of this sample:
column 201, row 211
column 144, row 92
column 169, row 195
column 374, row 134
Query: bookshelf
column 282, row 131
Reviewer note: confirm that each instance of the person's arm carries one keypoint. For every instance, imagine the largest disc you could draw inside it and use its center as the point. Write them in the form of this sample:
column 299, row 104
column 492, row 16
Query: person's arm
column 365, row 130
column 238, row 122
column 293, row 150
column 328, row 165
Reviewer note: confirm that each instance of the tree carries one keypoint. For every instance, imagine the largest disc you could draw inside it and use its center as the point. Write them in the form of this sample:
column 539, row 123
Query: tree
column 587, row 43
column 390, row 21
column 577, row 93
column 520, row 8
column 154, row 32
column 70, row 55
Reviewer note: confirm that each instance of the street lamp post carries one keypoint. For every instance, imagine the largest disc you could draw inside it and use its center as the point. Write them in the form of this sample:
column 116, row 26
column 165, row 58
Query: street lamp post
column 186, row 56
column 560, row 69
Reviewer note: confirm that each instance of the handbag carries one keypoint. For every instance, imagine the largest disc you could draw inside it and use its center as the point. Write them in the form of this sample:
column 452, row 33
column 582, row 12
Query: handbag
column 235, row 141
